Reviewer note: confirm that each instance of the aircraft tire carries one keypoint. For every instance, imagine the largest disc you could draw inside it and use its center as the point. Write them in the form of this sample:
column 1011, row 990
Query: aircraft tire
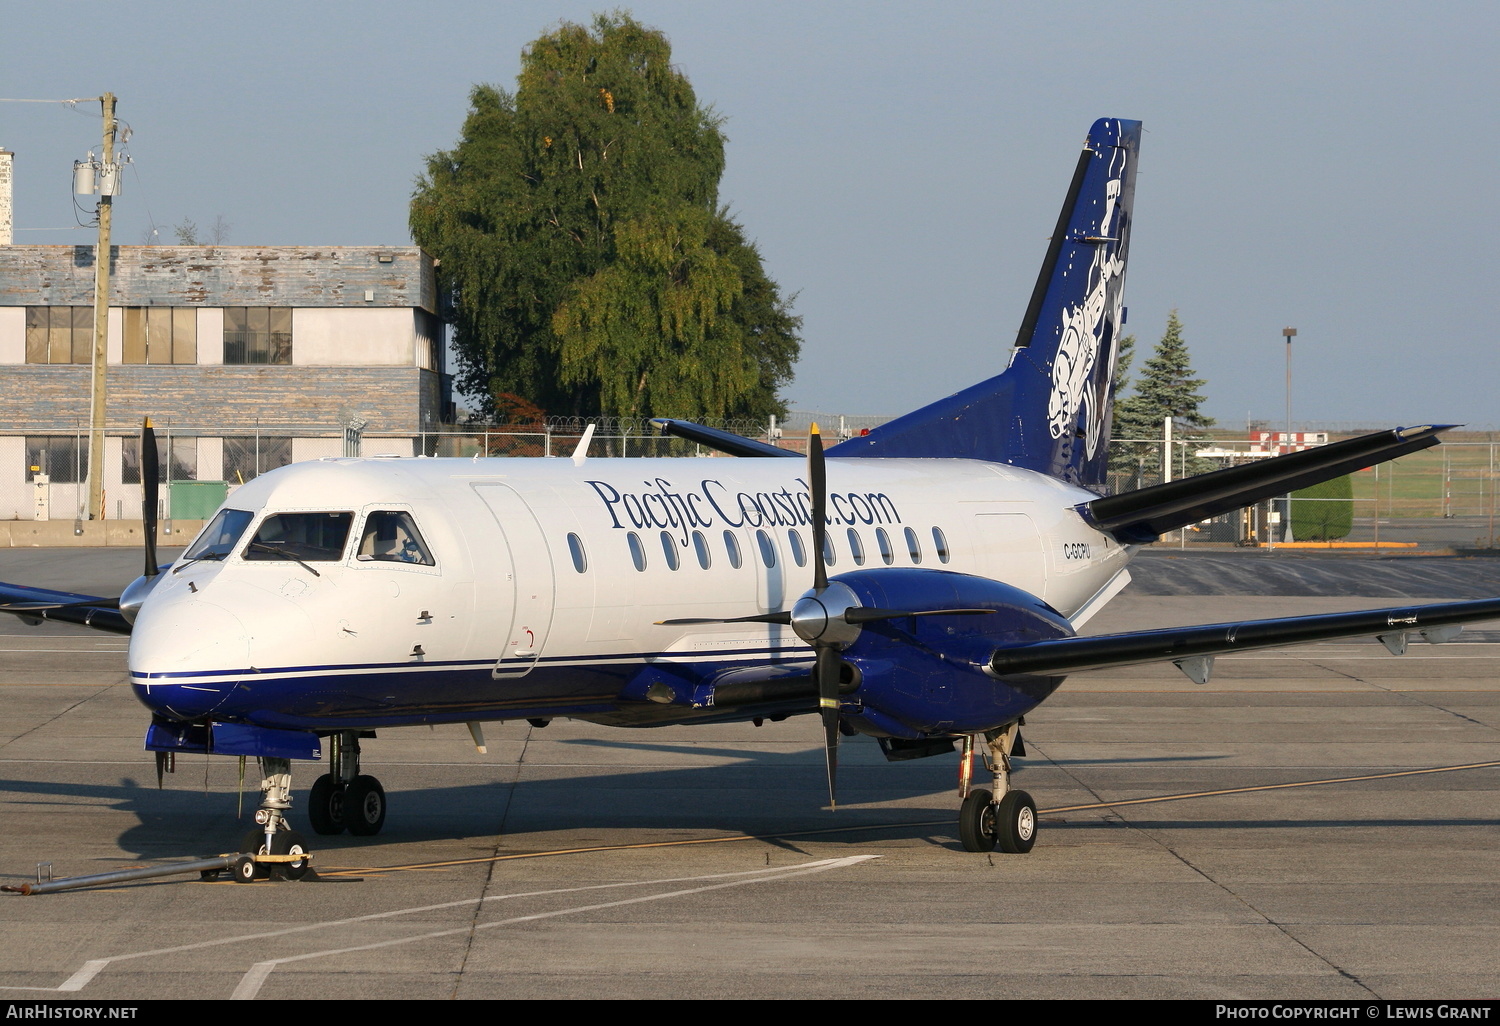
column 325, row 806
column 976, row 821
column 1016, row 823
column 364, row 807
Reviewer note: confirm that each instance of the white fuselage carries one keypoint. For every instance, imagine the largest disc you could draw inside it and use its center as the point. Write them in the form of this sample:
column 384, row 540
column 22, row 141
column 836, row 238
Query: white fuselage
column 548, row 561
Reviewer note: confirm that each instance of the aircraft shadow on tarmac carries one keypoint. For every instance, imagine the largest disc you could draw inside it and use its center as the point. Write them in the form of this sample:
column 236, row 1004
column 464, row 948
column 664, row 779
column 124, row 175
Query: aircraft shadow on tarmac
column 756, row 792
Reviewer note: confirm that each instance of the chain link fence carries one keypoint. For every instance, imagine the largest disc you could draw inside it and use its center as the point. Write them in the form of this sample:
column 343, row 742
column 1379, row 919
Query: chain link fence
column 1442, row 497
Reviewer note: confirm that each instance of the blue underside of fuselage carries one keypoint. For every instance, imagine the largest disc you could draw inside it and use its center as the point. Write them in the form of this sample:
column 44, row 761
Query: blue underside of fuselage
column 612, row 690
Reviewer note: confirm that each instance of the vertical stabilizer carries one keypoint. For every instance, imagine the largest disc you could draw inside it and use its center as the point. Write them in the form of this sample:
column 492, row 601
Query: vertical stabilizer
column 1049, row 410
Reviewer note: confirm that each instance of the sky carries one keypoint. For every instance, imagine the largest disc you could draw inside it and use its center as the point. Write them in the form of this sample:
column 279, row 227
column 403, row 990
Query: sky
column 900, row 165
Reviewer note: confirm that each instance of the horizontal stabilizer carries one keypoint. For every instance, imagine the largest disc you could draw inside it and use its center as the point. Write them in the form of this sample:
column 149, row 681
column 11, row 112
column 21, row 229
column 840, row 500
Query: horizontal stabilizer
column 1180, row 644
column 1143, row 516
column 722, row 441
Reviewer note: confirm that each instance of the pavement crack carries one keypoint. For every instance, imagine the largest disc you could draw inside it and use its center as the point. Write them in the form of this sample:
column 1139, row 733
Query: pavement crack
column 489, row 876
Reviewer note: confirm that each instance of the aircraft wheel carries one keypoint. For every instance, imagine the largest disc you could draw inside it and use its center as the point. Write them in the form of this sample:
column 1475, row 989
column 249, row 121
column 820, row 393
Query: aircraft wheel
column 364, row 806
column 289, row 842
column 325, row 805
column 1015, row 823
column 976, row 821
column 252, row 844
column 243, row 869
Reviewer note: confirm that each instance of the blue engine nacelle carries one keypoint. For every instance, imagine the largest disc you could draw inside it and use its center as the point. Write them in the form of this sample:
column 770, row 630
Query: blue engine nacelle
column 930, row 675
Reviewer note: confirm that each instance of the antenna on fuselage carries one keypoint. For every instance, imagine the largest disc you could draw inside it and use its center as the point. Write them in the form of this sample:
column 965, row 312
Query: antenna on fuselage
column 581, row 453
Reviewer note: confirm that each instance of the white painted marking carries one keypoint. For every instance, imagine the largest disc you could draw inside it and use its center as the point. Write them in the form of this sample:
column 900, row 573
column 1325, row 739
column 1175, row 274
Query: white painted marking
column 251, row 982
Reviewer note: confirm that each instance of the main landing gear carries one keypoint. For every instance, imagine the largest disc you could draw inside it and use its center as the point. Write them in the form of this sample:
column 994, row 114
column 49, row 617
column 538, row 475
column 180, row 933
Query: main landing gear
column 343, row 798
column 985, row 821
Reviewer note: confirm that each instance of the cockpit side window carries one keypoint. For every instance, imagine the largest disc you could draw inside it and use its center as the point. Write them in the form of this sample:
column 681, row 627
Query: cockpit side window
column 309, row 537
column 219, row 537
column 392, row 537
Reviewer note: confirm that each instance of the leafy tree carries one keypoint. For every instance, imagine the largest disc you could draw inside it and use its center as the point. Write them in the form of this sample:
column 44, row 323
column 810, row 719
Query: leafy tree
column 1166, row 388
column 578, row 228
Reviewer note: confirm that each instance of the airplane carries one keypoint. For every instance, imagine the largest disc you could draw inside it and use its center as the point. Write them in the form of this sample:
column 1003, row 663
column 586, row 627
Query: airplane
column 923, row 583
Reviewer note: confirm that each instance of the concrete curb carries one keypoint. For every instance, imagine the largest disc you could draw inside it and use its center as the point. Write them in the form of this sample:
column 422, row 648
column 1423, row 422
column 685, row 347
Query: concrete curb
column 22, row 534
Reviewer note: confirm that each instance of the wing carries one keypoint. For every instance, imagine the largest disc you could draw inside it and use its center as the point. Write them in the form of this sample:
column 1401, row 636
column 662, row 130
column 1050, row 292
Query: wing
column 1193, row 649
column 33, row 605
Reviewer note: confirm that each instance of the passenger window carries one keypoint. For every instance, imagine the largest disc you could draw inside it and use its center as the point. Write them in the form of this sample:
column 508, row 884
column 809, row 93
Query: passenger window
column 669, row 549
column 637, row 551
column 392, row 537
column 732, row 547
column 767, row 548
column 913, row 547
column 309, row 537
column 940, row 542
column 700, row 546
column 580, row 559
column 856, row 548
column 883, row 540
column 829, row 557
column 798, row 552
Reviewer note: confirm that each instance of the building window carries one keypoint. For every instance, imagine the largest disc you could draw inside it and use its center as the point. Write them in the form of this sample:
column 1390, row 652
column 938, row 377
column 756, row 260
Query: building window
column 184, row 459
column 429, row 355
column 59, row 334
column 161, row 334
column 247, row 457
column 257, row 334
column 63, row 458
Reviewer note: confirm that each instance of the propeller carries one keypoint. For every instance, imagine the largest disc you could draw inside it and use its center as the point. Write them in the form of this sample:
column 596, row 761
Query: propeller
column 130, row 600
column 828, row 617
column 150, row 494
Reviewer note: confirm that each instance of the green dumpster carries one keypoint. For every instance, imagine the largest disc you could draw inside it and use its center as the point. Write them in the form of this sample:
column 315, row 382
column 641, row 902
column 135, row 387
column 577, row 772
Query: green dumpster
column 197, row 500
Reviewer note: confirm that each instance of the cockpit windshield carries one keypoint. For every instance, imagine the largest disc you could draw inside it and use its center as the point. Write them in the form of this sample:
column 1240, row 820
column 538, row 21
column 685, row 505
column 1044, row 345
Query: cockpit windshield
column 391, row 536
column 219, row 537
column 305, row 537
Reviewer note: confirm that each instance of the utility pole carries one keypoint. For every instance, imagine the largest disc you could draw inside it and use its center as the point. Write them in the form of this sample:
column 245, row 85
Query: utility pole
column 109, row 182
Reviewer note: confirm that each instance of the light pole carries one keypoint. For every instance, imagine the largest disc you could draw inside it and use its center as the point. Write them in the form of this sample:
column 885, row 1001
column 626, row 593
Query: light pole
column 1288, row 334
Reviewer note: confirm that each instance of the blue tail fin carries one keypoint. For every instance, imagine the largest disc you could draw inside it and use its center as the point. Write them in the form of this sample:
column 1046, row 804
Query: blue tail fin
column 1049, row 410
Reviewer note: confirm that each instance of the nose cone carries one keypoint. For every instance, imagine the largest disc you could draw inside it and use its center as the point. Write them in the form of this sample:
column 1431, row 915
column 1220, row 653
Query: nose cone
column 186, row 655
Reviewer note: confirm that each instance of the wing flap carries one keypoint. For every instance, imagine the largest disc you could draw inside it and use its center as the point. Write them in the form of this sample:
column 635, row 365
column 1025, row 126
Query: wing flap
column 1188, row 644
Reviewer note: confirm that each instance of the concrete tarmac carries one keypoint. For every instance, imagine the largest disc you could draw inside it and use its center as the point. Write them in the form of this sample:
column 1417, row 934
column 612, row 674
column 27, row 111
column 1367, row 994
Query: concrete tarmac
column 1319, row 822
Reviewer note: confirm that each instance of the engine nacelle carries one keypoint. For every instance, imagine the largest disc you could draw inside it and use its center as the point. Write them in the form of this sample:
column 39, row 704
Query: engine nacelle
column 929, row 675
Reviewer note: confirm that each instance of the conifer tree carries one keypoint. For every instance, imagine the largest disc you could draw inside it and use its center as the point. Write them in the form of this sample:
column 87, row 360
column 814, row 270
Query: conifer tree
column 1166, row 388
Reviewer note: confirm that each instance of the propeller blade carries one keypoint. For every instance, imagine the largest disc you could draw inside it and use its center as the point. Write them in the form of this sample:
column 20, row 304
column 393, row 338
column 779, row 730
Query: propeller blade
column 150, row 494
column 817, row 478
column 781, row 616
column 31, row 607
column 826, row 676
column 862, row 614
